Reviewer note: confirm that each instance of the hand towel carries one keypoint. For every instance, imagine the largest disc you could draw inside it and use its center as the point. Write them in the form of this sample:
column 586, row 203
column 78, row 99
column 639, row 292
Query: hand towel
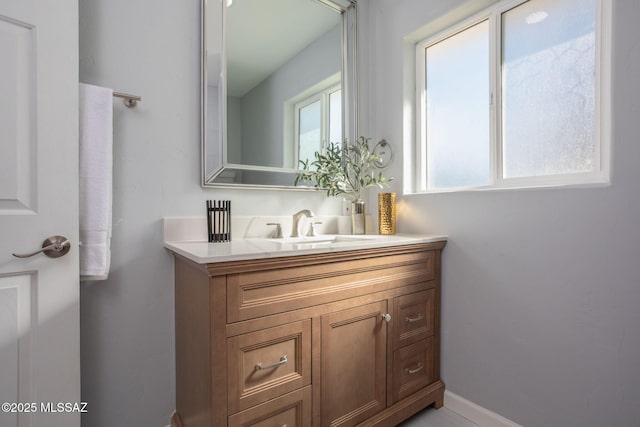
column 96, row 169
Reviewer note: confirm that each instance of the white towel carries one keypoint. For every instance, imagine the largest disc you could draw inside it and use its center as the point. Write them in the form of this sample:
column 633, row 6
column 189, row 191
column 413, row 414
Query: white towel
column 96, row 164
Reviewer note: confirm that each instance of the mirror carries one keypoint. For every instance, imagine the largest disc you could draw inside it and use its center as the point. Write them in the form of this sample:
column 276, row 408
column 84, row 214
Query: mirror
column 278, row 84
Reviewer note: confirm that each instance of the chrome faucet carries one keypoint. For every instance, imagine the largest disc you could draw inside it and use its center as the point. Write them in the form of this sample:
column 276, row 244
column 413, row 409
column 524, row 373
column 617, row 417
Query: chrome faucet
column 295, row 228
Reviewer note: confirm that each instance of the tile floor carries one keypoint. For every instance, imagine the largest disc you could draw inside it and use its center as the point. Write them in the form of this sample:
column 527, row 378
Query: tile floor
column 442, row 417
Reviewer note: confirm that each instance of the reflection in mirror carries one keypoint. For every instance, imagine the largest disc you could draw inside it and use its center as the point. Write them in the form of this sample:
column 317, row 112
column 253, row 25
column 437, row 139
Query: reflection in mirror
column 280, row 74
column 286, row 85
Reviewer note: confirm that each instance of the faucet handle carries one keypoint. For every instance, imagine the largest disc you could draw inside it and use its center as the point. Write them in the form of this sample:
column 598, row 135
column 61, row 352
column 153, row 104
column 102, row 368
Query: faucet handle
column 312, row 229
column 277, row 233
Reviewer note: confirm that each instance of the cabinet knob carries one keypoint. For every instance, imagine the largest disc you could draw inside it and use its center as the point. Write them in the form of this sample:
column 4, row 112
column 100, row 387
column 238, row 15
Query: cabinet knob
column 387, row 317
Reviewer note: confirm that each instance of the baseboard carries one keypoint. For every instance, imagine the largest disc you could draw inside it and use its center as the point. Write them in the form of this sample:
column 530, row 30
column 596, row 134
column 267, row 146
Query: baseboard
column 475, row 413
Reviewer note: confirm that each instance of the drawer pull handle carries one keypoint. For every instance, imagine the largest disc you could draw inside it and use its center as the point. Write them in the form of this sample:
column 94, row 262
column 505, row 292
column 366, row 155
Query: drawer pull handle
column 414, row 370
column 282, row 361
column 414, row 319
column 386, row 317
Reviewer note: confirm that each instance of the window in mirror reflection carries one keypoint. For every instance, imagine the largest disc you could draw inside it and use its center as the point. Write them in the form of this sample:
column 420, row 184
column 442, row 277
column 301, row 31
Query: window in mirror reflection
column 309, row 130
column 318, row 121
column 335, row 116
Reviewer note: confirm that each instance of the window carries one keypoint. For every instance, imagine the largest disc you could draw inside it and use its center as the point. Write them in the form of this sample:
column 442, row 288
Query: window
column 458, row 109
column 318, row 120
column 513, row 97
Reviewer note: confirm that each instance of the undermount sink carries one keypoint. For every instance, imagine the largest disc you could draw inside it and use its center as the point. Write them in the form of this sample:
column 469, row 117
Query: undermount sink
column 323, row 241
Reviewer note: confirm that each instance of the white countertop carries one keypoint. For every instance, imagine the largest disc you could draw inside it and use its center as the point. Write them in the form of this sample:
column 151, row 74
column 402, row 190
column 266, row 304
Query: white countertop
column 257, row 248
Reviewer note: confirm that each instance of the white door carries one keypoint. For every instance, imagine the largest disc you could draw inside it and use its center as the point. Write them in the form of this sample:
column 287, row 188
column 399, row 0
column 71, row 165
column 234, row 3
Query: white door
column 39, row 296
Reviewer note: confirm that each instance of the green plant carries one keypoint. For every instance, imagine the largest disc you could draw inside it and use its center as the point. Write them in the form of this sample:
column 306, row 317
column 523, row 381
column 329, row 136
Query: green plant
column 347, row 168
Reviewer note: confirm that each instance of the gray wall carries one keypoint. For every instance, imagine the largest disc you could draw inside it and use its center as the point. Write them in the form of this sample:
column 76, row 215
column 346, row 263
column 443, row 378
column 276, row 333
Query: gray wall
column 541, row 288
column 148, row 48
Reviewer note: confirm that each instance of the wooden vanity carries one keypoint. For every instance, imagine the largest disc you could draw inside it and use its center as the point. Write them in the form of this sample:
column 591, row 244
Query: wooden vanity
column 341, row 338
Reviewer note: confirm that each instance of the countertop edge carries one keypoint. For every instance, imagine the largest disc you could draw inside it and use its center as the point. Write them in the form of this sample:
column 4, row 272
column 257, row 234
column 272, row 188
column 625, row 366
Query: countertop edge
column 247, row 249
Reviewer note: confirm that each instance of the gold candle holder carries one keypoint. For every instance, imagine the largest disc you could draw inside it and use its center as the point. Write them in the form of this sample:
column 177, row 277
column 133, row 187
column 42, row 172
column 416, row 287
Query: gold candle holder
column 387, row 213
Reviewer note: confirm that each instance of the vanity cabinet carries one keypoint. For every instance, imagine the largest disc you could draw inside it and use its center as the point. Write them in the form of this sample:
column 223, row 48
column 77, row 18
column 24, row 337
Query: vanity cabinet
column 342, row 338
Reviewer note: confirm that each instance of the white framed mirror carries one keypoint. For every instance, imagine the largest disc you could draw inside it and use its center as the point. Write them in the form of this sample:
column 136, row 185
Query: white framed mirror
column 278, row 83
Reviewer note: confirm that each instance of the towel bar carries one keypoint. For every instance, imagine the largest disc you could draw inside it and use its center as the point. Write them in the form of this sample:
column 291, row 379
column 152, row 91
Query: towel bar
column 128, row 100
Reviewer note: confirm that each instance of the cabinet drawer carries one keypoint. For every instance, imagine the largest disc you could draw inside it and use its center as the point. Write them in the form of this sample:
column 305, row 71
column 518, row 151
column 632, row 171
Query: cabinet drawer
column 291, row 410
column 412, row 368
column 414, row 318
column 266, row 364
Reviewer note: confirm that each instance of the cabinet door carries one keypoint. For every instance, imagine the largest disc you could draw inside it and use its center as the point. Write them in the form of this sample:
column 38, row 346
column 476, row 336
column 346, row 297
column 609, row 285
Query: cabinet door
column 354, row 344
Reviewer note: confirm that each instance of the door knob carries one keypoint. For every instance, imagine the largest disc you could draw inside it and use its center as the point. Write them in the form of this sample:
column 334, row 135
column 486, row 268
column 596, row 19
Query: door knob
column 53, row 247
column 386, row 317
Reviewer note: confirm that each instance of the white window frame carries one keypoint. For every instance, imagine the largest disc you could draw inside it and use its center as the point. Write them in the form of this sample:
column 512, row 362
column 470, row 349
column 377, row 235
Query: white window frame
column 323, row 96
column 601, row 173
